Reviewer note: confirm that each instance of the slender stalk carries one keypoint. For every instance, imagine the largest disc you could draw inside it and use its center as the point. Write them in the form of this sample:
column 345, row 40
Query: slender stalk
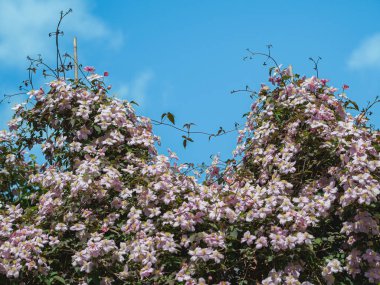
column 75, row 59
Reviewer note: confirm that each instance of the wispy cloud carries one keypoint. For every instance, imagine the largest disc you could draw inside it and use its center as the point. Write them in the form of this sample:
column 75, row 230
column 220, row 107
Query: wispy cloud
column 166, row 94
column 137, row 89
column 367, row 55
column 25, row 25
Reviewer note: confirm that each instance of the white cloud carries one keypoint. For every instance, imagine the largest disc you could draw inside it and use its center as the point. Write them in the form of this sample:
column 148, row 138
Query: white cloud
column 122, row 92
column 136, row 90
column 367, row 54
column 25, row 25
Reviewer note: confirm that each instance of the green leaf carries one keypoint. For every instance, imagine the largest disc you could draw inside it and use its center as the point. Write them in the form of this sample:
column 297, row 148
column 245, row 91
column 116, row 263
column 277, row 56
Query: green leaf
column 59, row 279
column 188, row 126
column 97, row 129
column 271, row 70
column 356, row 107
column 317, row 241
column 220, row 131
column 171, row 118
column 234, row 234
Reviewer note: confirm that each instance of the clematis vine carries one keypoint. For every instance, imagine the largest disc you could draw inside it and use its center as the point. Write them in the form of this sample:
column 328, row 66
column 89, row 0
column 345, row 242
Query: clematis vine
column 298, row 203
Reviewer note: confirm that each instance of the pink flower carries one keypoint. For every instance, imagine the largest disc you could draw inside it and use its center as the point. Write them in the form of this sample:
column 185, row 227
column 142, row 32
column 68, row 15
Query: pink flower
column 261, row 242
column 324, row 81
column 89, row 69
column 146, row 271
column 345, row 87
column 78, row 227
column 248, row 238
column 172, row 155
column 105, row 74
column 61, row 227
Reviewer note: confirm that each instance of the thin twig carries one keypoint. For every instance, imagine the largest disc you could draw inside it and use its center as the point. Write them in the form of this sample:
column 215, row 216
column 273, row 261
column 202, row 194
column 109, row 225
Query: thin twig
column 268, row 55
column 57, row 33
column 316, row 64
column 187, row 131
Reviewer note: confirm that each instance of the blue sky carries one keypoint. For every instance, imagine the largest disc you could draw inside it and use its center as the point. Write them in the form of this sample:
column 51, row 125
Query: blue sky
column 186, row 56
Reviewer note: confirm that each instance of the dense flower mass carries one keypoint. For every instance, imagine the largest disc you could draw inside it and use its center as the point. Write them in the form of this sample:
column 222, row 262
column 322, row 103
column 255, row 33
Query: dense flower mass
column 298, row 203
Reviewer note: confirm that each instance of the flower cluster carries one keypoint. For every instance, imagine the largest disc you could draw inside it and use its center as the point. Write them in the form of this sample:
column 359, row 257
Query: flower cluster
column 298, row 203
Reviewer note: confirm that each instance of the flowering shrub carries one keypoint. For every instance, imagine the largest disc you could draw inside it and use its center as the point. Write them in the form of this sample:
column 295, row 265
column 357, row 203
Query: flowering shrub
column 298, row 204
